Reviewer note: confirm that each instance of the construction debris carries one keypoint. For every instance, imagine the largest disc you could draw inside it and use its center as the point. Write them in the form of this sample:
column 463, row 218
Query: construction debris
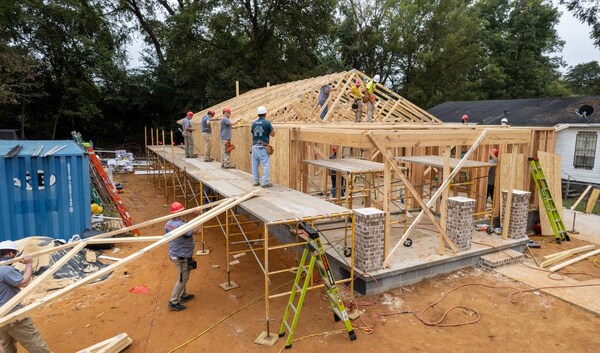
column 112, row 345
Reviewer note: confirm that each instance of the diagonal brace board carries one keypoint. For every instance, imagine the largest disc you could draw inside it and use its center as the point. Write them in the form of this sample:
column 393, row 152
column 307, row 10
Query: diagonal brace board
column 201, row 219
column 111, row 233
column 414, row 192
column 434, row 197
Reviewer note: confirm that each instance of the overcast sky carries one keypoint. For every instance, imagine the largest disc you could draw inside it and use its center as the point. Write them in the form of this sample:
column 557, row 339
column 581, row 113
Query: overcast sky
column 578, row 49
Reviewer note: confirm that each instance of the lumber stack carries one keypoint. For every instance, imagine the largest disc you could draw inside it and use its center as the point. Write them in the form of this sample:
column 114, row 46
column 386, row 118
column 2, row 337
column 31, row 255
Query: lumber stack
column 112, row 345
column 559, row 256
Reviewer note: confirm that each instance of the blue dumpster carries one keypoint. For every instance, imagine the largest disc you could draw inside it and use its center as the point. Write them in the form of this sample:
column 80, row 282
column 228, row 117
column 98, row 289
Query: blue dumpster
column 45, row 195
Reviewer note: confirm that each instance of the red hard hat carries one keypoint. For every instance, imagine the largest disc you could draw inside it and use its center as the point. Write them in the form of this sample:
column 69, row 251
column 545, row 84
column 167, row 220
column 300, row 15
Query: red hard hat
column 358, row 82
column 176, row 207
column 334, row 149
column 495, row 151
column 226, row 110
column 465, row 117
column 190, row 114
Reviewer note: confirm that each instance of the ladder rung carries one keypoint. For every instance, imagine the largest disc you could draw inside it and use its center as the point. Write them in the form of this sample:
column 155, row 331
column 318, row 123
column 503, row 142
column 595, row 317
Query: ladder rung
column 298, row 288
column 287, row 326
column 293, row 307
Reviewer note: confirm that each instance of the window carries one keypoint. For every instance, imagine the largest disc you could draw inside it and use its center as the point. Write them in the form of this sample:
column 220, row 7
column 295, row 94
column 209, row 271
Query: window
column 585, row 150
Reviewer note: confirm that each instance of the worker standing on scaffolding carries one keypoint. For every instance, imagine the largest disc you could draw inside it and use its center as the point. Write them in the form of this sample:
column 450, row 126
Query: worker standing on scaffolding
column 188, row 139
column 181, row 250
column 225, row 135
column 261, row 130
column 206, row 132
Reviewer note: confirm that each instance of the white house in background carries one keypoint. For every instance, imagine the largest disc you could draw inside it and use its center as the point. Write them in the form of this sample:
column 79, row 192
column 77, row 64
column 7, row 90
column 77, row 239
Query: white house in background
column 579, row 149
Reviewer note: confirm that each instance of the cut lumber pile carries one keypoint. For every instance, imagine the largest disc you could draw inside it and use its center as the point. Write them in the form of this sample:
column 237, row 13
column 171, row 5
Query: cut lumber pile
column 559, row 256
column 572, row 261
column 112, row 345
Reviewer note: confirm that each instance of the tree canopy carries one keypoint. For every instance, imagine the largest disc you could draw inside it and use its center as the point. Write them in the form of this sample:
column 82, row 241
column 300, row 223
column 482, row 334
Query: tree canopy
column 63, row 63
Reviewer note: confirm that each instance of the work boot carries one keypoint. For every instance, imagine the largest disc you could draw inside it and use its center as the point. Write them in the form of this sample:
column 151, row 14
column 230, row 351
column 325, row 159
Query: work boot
column 268, row 185
column 209, row 160
column 186, row 298
column 229, row 166
column 255, row 183
column 176, row 307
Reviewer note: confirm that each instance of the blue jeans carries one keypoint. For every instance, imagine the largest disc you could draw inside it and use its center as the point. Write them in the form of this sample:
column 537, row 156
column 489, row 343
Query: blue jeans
column 260, row 155
column 324, row 110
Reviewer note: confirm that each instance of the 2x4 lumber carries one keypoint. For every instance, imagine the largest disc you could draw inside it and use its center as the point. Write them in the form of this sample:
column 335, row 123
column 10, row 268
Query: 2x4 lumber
column 555, row 259
column 9, row 305
column 201, row 219
column 571, row 251
column 592, row 201
column 389, row 160
column 111, row 233
column 434, row 197
column 387, row 186
column 445, row 194
column 507, row 208
column 572, row 261
column 581, row 197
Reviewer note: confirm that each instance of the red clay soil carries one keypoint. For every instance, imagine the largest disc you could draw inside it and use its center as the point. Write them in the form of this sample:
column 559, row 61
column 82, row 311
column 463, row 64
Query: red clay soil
column 536, row 323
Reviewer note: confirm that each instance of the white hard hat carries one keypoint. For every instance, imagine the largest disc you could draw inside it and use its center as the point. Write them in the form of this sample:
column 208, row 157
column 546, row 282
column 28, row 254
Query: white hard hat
column 504, row 120
column 376, row 78
column 8, row 245
column 261, row 110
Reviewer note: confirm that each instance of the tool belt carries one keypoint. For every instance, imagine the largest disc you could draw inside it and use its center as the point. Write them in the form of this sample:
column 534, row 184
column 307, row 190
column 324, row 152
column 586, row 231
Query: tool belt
column 229, row 146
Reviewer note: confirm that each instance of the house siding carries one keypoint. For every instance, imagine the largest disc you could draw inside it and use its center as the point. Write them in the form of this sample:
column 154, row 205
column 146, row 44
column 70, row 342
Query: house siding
column 565, row 147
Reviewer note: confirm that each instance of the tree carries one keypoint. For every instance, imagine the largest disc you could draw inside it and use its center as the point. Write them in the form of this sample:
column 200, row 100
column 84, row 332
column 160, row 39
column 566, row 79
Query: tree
column 584, row 79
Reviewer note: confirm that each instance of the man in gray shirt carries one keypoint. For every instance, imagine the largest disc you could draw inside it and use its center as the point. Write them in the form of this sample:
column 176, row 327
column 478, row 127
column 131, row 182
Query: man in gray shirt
column 225, row 135
column 22, row 330
column 181, row 250
column 323, row 97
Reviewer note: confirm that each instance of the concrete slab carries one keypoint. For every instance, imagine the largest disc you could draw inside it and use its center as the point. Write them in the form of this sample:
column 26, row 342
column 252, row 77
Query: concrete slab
column 586, row 296
column 586, row 224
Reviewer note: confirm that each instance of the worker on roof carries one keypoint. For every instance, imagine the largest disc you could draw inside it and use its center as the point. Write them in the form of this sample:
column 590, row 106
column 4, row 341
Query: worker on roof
column 370, row 97
column 504, row 122
column 323, row 97
column 188, row 139
column 465, row 119
column 261, row 130
column 21, row 330
column 181, row 250
column 492, row 175
column 206, row 133
column 225, row 136
column 356, row 95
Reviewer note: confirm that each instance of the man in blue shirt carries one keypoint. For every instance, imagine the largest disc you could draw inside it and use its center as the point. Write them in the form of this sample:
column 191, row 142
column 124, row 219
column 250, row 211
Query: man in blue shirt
column 323, row 96
column 188, row 139
column 206, row 131
column 181, row 250
column 261, row 131
column 225, row 136
column 22, row 330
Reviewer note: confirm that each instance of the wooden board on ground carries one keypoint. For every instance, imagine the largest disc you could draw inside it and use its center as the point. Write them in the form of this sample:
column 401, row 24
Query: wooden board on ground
column 112, row 345
column 592, row 201
column 550, row 164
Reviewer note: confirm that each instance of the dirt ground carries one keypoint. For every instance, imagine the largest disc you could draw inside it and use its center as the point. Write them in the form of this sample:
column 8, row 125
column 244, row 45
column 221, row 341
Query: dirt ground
column 535, row 323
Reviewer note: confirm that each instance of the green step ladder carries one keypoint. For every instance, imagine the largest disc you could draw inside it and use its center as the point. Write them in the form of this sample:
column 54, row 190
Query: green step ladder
column 318, row 258
column 558, row 227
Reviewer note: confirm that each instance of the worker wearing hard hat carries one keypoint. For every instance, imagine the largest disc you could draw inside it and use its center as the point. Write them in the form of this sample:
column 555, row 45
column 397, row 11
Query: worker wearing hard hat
column 465, row 119
column 504, row 122
column 370, row 97
column 225, row 135
column 181, row 250
column 188, row 139
column 261, row 130
column 21, row 330
column 357, row 95
column 492, row 175
column 206, row 132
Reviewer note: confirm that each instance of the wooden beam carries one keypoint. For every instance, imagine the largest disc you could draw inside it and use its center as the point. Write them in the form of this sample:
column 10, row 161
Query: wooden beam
column 581, row 197
column 436, row 195
column 445, row 194
column 508, row 206
column 571, row 251
column 572, row 261
column 114, row 232
column 389, row 160
column 592, row 201
column 201, row 219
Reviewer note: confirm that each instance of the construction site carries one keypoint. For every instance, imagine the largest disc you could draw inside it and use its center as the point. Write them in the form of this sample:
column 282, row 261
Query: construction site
column 400, row 233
